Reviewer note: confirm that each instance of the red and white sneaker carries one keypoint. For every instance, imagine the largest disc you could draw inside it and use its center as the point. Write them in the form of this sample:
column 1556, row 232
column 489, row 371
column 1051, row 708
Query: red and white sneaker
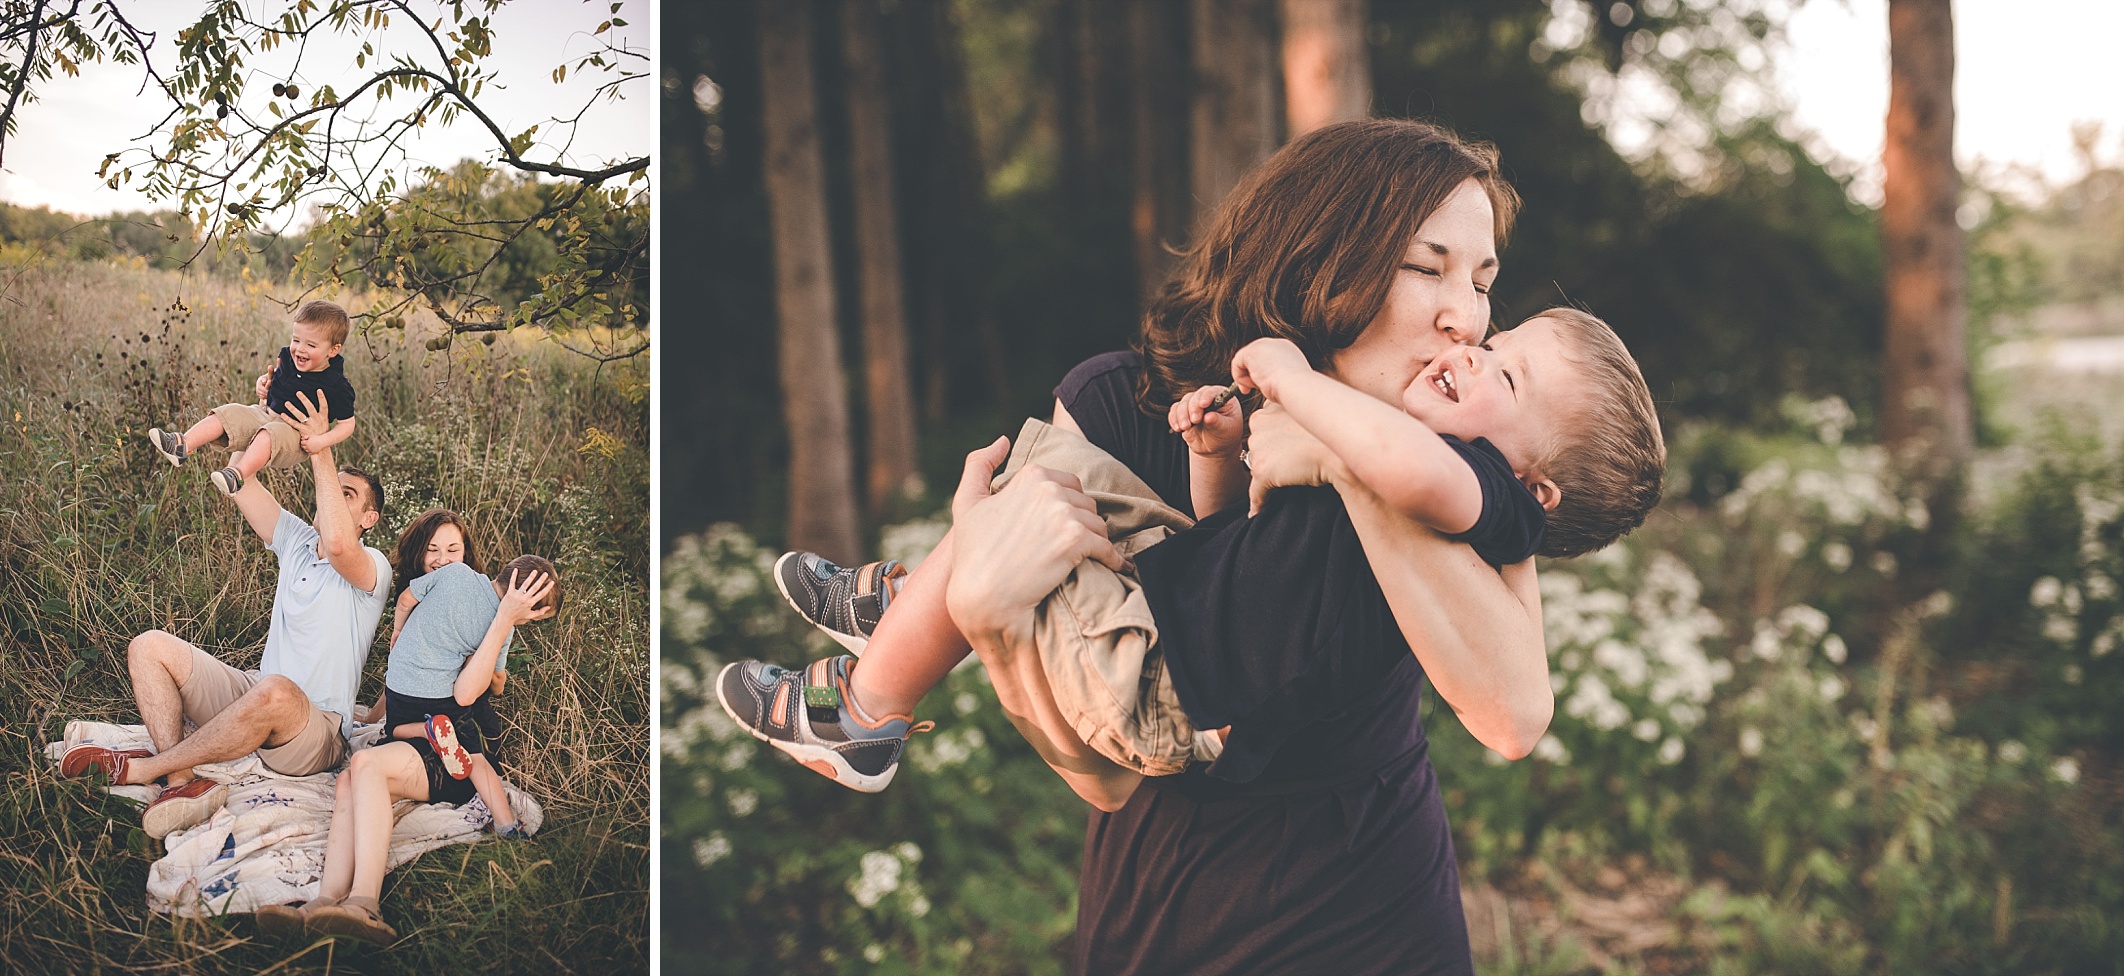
column 456, row 760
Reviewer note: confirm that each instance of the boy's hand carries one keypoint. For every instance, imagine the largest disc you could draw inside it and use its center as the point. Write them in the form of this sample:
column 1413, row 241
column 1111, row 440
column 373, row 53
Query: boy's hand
column 1264, row 362
column 1209, row 431
column 522, row 596
column 265, row 381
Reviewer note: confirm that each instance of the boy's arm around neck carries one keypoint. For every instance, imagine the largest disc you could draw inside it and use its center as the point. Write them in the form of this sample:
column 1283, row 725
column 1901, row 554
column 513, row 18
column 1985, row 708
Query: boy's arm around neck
column 1398, row 458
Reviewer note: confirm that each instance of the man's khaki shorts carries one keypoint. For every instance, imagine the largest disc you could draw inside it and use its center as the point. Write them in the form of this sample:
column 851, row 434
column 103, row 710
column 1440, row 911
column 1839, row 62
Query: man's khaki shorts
column 1097, row 643
column 241, row 423
column 215, row 686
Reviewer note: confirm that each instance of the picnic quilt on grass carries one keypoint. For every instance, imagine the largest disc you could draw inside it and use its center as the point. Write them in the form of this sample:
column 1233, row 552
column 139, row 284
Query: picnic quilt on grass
column 267, row 846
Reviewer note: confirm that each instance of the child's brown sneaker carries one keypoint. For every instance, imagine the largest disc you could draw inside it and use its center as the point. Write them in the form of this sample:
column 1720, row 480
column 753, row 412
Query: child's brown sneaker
column 167, row 444
column 229, row 480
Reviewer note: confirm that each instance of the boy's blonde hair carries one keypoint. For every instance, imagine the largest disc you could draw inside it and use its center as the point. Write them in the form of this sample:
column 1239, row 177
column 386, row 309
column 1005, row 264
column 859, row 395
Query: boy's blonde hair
column 525, row 565
column 327, row 314
column 1608, row 456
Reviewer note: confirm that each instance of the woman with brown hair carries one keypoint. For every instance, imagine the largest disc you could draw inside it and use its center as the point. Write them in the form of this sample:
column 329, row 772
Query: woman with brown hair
column 1322, row 846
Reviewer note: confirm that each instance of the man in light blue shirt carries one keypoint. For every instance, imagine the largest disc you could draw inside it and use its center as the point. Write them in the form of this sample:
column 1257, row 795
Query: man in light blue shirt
column 298, row 709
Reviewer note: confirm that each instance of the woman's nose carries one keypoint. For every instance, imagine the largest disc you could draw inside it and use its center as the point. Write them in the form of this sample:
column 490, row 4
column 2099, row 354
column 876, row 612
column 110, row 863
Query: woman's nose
column 1458, row 318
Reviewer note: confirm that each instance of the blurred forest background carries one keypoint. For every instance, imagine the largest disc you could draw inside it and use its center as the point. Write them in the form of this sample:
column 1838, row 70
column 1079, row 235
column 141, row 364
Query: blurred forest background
column 1844, row 706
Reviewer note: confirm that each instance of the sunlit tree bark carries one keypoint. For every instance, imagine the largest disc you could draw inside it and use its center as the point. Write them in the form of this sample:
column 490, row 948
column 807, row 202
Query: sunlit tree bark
column 1160, row 211
column 1327, row 73
column 1236, row 114
column 1925, row 409
column 822, row 513
column 892, row 461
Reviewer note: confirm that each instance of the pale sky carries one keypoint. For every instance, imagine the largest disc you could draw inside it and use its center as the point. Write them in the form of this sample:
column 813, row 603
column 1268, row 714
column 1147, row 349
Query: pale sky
column 61, row 139
column 2025, row 71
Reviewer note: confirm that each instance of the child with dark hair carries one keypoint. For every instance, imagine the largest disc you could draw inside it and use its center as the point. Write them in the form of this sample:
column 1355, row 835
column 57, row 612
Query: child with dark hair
column 448, row 656
column 309, row 367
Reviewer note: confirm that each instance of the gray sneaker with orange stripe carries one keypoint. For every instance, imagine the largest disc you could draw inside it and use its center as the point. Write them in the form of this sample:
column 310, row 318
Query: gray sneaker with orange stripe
column 808, row 714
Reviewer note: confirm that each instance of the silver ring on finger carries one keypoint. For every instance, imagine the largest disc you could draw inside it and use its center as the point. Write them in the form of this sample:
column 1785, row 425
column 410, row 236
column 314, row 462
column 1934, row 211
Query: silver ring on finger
column 1243, row 459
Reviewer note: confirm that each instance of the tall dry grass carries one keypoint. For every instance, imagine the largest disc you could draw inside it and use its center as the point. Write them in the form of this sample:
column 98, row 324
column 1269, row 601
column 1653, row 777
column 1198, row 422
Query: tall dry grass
column 541, row 450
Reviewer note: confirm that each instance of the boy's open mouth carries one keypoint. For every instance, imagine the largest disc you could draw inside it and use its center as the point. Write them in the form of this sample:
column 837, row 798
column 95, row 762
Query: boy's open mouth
column 1443, row 381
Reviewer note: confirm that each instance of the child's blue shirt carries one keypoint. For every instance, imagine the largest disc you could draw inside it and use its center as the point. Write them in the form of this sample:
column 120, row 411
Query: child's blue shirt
column 457, row 605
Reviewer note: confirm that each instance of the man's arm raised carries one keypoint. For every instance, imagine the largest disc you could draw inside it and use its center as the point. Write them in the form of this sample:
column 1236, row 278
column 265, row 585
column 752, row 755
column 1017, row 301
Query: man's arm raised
column 338, row 528
column 260, row 509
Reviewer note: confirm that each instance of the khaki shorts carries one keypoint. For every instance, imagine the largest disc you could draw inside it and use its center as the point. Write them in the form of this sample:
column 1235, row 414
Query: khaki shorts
column 242, row 422
column 1094, row 634
column 215, row 686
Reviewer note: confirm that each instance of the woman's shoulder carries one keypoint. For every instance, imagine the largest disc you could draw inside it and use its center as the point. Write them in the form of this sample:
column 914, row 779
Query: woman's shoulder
column 1103, row 372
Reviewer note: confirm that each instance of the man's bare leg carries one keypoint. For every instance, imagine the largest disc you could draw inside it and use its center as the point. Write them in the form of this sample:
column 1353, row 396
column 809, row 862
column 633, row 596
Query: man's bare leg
column 272, row 713
column 915, row 644
column 160, row 663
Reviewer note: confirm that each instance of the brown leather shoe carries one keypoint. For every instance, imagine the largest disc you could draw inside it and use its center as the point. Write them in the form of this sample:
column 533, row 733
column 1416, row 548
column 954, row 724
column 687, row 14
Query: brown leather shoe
column 183, row 806
column 83, row 760
column 281, row 920
column 356, row 917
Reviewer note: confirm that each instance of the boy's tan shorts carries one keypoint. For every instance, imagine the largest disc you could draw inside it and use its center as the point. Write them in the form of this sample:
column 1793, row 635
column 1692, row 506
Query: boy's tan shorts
column 243, row 421
column 1097, row 643
column 214, row 686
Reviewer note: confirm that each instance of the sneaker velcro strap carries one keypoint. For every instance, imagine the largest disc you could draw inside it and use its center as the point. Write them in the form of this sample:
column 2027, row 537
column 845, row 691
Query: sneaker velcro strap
column 816, row 696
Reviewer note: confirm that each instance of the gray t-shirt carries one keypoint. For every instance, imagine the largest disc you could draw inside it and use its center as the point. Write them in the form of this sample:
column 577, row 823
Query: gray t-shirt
column 457, row 605
column 322, row 625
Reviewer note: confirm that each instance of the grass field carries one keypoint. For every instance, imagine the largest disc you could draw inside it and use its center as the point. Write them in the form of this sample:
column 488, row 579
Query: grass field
column 541, row 450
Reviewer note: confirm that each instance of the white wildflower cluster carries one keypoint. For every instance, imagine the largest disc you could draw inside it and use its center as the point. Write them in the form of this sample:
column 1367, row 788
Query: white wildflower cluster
column 719, row 581
column 1631, row 667
column 909, row 542
column 886, row 873
column 2090, row 601
column 1827, row 418
column 947, row 748
column 710, row 849
column 1833, row 510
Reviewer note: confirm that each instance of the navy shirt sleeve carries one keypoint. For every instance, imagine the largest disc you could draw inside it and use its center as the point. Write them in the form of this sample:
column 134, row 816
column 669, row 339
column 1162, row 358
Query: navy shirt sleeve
column 1512, row 523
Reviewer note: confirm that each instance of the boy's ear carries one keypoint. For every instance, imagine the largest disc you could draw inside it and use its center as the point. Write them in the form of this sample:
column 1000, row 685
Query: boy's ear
column 1545, row 491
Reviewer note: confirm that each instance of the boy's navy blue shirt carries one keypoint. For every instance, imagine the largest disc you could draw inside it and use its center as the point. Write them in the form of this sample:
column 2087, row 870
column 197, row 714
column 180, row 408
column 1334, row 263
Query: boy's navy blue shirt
column 329, row 382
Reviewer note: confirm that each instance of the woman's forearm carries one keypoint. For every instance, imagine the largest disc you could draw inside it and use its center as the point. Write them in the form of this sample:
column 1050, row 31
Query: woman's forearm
column 477, row 674
column 1477, row 635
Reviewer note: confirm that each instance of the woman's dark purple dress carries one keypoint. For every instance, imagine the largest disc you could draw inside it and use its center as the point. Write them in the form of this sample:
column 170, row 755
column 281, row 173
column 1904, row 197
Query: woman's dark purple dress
column 1318, row 843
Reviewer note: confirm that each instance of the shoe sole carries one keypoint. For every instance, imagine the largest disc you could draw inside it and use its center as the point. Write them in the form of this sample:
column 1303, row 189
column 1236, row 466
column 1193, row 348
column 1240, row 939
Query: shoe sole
column 338, row 920
column 855, row 643
column 221, row 481
column 164, row 819
column 455, row 759
column 280, row 920
column 155, row 438
column 818, row 759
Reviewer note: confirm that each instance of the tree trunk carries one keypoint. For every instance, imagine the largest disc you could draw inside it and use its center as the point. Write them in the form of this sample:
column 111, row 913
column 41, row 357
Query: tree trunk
column 1236, row 113
column 822, row 515
column 1327, row 71
column 1925, row 410
column 893, row 472
column 1158, row 113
